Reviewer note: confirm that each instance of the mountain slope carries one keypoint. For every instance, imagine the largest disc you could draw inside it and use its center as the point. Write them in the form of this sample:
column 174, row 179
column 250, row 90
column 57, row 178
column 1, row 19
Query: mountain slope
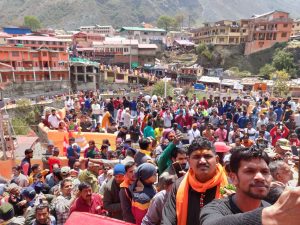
column 70, row 14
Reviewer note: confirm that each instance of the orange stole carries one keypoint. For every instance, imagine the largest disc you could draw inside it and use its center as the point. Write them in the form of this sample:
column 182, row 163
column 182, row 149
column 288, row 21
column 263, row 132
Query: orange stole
column 219, row 180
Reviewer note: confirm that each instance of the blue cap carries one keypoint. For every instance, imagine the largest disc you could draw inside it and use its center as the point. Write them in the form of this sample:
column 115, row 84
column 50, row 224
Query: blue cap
column 119, row 169
column 28, row 192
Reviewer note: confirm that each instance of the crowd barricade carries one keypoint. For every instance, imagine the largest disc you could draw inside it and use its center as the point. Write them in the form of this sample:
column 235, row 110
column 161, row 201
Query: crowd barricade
column 60, row 139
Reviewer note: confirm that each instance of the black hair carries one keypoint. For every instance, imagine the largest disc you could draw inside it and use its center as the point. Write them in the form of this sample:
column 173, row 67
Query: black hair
column 83, row 185
column 177, row 151
column 144, row 143
column 128, row 165
column 18, row 168
column 27, row 151
column 35, row 166
column 200, row 143
column 246, row 154
column 64, row 181
column 42, row 206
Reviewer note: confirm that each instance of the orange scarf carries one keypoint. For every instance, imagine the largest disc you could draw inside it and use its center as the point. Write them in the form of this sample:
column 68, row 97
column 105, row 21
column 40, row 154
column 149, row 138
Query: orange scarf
column 219, row 180
column 125, row 183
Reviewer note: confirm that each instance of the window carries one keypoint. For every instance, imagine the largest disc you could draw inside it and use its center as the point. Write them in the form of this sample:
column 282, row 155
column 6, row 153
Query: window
column 284, row 34
column 61, row 49
column 146, row 33
column 35, row 55
column 144, row 40
column 125, row 49
column 275, row 36
column 285, row 25
column 14, row 53
column 44, row 53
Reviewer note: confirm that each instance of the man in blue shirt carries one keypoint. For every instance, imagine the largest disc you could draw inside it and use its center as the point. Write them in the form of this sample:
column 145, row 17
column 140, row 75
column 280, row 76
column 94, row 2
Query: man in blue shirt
column 279, row 112
column 243, row 120
column 133, row 107
column 73, row 154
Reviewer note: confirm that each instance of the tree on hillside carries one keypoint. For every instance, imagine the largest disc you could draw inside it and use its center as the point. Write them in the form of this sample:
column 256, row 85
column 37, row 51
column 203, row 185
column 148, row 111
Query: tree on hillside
column 166, row 22
column 281, row 87
column 32, row 22
column 283, row 60
column 159, row 89
column 266, row 71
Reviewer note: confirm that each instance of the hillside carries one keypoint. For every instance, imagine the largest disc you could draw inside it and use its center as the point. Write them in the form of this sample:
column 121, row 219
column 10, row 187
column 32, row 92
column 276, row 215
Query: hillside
column 70, row 14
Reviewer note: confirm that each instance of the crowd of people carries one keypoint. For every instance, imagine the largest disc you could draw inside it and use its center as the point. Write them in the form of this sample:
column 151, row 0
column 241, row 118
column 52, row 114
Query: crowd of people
column 177, row 161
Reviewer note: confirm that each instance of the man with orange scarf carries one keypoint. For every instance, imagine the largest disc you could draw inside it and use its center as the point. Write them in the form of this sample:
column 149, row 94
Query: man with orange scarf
column 197, row 188
column 125, row 193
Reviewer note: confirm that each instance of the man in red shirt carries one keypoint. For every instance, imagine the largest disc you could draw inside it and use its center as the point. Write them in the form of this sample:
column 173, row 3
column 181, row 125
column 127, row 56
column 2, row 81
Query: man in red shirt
column 87, row 201
column 204, row 103
column 54, row 159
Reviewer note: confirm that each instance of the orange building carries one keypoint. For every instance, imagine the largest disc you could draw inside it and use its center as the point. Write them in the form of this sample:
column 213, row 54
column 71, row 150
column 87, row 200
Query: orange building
column 21, row 64
column 267, row 29
column 37, row 42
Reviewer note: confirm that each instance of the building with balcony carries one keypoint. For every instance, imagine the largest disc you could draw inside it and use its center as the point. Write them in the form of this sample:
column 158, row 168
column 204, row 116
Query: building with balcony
column 120, row 51
column 37, row 42
column 225, row 32
column 85, row 39
column 296, row 28
column 22, row 64
column 267, row 29
column 144, row 35
column 108, row 31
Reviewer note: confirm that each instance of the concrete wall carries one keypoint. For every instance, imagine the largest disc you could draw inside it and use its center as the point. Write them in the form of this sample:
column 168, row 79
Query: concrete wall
column 30, row 89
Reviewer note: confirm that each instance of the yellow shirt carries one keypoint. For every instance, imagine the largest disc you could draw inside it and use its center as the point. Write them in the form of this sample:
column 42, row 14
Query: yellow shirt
column 158, row 133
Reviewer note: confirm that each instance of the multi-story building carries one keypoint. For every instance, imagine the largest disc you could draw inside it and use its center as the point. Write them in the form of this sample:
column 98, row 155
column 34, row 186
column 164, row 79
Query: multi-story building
column 296, row 28
column 145, row 35
column 3, row 37
column 22, row 64
column 85, row 39
column 37, row 42
column 225, row 32
column 120, row 51
column 97, row 29
column 267, row 29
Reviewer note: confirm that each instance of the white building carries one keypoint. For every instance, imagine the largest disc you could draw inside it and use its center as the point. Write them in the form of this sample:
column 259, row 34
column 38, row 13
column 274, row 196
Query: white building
column 144, row 35
column 97, row 29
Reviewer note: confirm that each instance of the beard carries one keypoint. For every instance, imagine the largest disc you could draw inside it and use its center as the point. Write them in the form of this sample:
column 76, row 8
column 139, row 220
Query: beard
column 258, row 195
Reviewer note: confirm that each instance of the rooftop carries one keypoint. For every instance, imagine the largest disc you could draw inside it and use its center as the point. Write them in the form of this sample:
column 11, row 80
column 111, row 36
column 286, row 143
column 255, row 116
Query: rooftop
column 142, row 29
column 148, row 46
column 266, row 14
column 36, row 38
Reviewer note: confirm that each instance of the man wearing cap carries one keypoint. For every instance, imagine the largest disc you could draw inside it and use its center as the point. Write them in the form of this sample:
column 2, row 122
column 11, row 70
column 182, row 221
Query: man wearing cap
column 25, row 163
column 90, row 176
column 29, row 195
column 7, row 215
column 125, row 194
column 16, row 199
column 193, row 133
column 111, row 198
column 281, row 148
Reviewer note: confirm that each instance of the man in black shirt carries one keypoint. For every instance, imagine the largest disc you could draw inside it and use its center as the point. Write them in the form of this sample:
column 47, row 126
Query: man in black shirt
column 197, row 188
column 252, row 178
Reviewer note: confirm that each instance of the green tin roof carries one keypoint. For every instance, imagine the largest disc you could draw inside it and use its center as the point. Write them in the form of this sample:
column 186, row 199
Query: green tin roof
column 84, row 61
